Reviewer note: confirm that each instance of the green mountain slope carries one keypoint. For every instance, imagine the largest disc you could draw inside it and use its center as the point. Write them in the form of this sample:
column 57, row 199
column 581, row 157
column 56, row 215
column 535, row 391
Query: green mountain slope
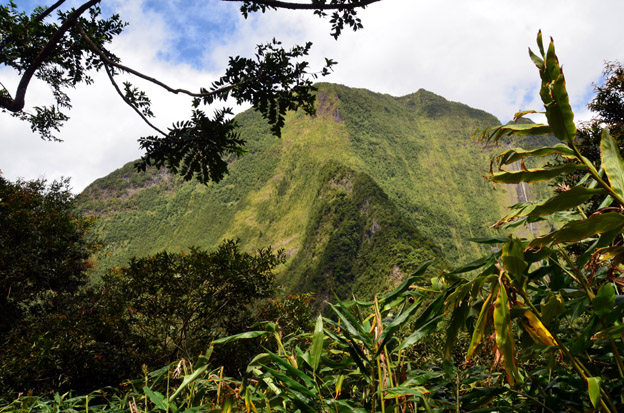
column 357, row 196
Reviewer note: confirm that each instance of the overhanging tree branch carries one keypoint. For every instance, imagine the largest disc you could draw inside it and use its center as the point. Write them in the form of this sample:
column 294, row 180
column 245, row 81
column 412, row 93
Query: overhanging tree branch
column 155, row 81
column 125, row 99
column 310, row 6
column 39, row 18
column 17, row 104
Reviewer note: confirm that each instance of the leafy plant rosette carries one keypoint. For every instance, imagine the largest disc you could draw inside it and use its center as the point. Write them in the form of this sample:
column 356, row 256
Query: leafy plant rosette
column 551, row 305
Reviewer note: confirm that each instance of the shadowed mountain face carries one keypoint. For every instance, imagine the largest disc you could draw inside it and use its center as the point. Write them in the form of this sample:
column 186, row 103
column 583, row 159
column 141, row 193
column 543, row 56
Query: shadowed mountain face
column 357, row 196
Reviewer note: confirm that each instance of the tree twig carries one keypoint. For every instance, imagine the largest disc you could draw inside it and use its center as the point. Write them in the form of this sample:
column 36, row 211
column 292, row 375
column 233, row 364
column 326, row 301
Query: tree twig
column 155, row 81
column 125, row 99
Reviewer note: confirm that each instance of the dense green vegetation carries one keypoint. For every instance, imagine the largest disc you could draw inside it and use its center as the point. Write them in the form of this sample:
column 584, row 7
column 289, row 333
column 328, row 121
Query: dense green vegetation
column 536, row 324
column 394, row 153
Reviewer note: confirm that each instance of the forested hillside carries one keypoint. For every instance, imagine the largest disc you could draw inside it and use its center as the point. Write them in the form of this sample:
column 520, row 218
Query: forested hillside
column 357, row 195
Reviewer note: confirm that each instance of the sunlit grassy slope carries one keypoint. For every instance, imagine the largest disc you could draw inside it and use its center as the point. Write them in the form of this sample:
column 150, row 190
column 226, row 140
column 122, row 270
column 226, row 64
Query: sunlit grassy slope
column 357, row 196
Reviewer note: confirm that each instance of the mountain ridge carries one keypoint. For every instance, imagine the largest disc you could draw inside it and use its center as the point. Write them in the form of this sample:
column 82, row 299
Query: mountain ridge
column 413, row 155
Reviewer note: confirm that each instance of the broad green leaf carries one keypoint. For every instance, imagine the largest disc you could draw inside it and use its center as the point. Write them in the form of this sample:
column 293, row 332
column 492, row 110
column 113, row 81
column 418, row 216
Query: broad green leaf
column 604, row 301
column 302, row 392
column 603, row 241
column 504, row 336
column 392, row 392
column 349, row 323
column 290, row 369
column 553, row 308
column 481, row 262
column 421, row 332
column 489, row 240
column 610, row 332
column 241, row 336
column 539, row 62
column 566, row 200
column 495, row 133
column 540, row 42
column 227, row 405
column 405, row 284
column 523, row 113
column 612, row 162
column 157, row 398
column 512, row 257
column 317, row 344
column 188, row 379
column 458, row 319
column 427, row 322
column 533, row 175
column 481, row 325
column 580, row 230
column 559, row 112
column 516, row 154
column 396, row 323
column 593, row 384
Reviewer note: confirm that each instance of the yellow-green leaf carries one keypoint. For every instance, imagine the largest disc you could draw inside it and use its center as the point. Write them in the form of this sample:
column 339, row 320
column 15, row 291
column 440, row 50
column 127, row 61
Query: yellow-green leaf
column 593, row 384
column 612, row 162
column 317, row 344
column 516, row 154
column 579, row 230
column 534, row 175
column 565, row 200
column 481, row 325
column 495, row 133
column 512, row 257
column 537, row 330
column 504, row 336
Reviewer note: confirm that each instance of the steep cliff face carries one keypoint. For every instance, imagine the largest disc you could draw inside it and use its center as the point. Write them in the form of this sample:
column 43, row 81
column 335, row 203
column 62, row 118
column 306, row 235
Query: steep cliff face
column 357, row 196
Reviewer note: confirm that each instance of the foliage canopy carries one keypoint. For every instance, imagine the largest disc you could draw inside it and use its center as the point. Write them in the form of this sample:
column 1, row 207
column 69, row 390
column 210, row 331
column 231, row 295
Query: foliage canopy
column 63, row 53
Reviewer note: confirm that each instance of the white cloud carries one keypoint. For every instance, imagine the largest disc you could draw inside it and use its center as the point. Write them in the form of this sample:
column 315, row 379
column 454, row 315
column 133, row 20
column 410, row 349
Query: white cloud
column 473, row 52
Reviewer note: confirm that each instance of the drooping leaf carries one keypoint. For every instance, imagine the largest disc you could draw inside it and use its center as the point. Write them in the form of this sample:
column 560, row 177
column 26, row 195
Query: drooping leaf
column 481, row 325
column 537, row 330
column 199, row 369
column 494, row 134
column 422, row 331
column 512, row 257
column 579, row 230
column 396, row 323
column 593, row 384
column 317, row 344
column 504, row 336
column 534, row 175
column 241, row 336
column 604, row 301
column 516, row 154
column 612, row 162
column 566, row 200
column 458, row 319
column 610, row 332
column 155, row 397
column 489, row 240
column 405, row 284
column 559, row 112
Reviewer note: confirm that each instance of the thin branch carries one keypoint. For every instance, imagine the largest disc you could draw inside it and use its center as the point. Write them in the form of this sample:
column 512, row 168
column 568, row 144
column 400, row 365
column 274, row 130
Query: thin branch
column 155, row 81
column 17, row 104
column 310, row 6
column 125, row 99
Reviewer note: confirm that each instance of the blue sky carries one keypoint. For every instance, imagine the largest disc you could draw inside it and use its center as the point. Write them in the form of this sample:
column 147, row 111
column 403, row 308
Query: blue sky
column 472, row 52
